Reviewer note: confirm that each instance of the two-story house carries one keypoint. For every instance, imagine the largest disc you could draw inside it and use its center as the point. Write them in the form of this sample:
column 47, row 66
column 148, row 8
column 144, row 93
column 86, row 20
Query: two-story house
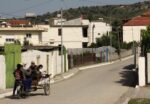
column 132, row 28
column 77, row 33
column 20, row 30
column 97, row 29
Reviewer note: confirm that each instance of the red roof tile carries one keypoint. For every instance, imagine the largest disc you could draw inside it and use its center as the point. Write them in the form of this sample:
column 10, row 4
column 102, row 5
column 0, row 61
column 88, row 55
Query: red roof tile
column 143, row 20
column 146, row 13
column 18, row 22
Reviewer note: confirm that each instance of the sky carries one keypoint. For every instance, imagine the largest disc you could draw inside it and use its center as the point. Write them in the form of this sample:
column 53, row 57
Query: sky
column 18, row 8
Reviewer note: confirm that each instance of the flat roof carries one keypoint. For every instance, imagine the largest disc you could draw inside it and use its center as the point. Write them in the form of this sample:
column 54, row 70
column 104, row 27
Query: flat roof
column 22, row 29
column 69, row 26
column 41, row 48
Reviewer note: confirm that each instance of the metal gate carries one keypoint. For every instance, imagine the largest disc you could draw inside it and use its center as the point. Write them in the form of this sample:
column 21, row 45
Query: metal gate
column 12, row 58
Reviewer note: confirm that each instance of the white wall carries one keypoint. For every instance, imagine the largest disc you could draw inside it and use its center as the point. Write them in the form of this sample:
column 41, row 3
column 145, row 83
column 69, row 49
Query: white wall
column 141, row 71
column 41, row 58
column 131, row 33
column 2, row 72
column 148, row 67
column 20, row 36
column 100, row 29
column 72, row 36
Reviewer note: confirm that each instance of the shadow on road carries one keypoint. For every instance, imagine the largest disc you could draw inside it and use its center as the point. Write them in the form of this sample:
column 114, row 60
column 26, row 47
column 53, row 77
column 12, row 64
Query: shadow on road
column 24, row 97
column 128, row 76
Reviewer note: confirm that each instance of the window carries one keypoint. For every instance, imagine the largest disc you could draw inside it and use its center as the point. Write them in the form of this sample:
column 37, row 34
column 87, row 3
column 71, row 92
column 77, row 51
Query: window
column 10, row 40
column 28, row 35
column 52, row 41
column 99, row 33
column 59, row 32
column 84, row 45
column 85, row 31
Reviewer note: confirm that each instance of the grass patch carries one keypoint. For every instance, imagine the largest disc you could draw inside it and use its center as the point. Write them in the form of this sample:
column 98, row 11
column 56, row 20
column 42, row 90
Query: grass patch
column 139, row 101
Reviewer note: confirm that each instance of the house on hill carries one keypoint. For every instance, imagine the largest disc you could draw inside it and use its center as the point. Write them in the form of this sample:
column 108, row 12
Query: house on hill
column 132, row 28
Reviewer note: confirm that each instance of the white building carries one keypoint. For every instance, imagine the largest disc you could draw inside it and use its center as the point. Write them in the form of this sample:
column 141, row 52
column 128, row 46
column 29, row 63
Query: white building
column 11, row 34
column 73, row 36
column 132, row 28
column 97, row 29
column 77, row 33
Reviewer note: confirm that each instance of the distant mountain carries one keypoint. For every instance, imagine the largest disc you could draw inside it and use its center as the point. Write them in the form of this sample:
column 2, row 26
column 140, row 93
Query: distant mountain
column 111, row 13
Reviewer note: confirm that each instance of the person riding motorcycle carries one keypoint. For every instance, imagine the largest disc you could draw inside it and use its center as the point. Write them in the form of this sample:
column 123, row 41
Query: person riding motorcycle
column 18, row 75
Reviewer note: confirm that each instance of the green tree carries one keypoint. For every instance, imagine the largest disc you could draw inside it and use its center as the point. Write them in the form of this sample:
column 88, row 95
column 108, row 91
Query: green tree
column 145, row 42
column 103, row 41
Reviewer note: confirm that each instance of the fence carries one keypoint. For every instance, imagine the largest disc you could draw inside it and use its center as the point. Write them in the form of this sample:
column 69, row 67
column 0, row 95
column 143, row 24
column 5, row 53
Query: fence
column 81, row 57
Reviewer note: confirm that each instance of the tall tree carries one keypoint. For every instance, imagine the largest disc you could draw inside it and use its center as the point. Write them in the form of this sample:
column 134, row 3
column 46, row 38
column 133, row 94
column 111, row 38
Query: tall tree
column 145, row 42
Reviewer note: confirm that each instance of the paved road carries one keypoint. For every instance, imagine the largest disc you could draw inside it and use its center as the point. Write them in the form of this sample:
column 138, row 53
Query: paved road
column 101, row 85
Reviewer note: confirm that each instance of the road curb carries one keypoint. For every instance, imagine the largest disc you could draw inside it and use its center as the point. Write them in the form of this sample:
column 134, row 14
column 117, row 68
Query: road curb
column 6, row 94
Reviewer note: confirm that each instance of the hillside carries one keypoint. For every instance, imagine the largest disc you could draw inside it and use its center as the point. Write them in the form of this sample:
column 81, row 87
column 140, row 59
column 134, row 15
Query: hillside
column 113, row 13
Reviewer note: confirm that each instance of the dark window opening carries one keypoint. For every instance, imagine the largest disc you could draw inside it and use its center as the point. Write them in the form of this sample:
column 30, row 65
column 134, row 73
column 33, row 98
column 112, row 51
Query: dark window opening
column 84, row 45
column 10, row 40
column 85, row 31
column 59, row 32
column 28, row 35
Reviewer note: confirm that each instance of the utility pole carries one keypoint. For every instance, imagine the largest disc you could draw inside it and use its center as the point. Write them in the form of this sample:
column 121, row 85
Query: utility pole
column 62, row 61
column 93, row 33
column 110, row 35
column 134, row 49
column 119, row 43
column 93, row 41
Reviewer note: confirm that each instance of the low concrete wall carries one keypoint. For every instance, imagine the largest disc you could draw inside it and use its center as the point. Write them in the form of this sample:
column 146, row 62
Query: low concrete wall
column 148, row 67
column 2, row 72
column 126, row 53
column 51, row 61
column 141, row 71
column 113, row 56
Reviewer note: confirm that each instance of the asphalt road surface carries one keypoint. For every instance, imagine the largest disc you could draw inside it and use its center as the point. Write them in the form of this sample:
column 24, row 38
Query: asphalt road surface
column 101, row 85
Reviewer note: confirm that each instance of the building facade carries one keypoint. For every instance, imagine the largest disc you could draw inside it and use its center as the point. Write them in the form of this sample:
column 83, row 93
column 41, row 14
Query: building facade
column 77, row 33
column 73, row 36
column 97, row 29
column 11, row 34
column 132, row 28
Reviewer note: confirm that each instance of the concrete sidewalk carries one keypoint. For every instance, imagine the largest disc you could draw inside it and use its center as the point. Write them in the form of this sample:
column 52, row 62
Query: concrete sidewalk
column 142, row 92
column 139, row 92
column 70, row 73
